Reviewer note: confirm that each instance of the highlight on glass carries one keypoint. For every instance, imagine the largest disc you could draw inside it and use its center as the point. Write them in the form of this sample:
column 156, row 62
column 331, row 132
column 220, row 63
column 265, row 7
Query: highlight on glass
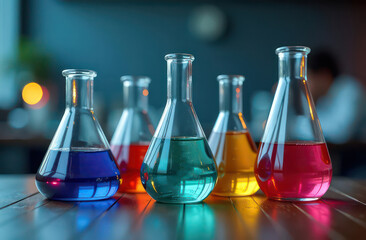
column 231, row 143
column 179, row 166
column 133, row 134
column 293, row 161
column 78, row 165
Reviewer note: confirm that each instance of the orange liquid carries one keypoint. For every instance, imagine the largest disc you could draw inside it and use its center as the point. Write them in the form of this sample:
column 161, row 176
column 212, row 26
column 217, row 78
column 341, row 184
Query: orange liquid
column 129, row 160
column 235, row 154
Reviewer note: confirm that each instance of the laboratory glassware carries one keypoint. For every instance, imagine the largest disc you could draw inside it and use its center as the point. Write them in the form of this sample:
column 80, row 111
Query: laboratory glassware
column 293, row 162
column 231, row 143
column 179, row 166
column 78, row 165
column 133, row 134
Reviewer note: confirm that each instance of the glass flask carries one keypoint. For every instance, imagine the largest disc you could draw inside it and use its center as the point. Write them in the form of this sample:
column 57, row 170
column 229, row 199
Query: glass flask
column 179, row 166
column 133, row 134
column 231, row 143
column 293, row 162
column 78, row 165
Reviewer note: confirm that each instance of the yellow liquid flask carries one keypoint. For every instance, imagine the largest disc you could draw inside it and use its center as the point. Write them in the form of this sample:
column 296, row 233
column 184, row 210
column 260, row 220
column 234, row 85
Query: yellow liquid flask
column 231, row 143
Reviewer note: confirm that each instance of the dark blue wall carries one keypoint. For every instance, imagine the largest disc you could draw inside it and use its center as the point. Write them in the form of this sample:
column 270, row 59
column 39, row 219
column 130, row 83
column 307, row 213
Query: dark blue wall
column 116, row 38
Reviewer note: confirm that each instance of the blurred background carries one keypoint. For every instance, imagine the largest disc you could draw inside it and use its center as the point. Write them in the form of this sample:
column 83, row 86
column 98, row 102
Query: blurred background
column 40, row 38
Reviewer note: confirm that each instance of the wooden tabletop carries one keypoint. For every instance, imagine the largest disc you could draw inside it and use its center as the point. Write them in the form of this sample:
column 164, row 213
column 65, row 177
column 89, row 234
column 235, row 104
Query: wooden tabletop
column 26, row 214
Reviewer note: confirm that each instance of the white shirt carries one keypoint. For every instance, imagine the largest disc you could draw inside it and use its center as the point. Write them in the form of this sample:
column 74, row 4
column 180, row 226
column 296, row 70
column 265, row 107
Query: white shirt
column 341, row 109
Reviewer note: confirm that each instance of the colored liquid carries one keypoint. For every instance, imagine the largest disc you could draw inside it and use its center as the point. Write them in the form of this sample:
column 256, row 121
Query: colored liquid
column 235, row 155
column 129, row 160
column 179, row 170
column 294, row 171
column 78, row 175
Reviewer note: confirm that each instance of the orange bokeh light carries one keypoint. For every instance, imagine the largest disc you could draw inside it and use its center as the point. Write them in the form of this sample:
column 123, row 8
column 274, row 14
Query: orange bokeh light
column 32, row 93
column 145, row 92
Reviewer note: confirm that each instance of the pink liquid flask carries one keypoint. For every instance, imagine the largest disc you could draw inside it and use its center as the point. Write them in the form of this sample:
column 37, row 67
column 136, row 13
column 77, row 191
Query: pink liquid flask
column 293, row 162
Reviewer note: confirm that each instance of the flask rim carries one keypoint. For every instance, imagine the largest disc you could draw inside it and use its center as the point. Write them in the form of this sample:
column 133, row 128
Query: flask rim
column 293, row 49
column 135, row 79
column 230, row 78
column 179, row 56
column 79, row 72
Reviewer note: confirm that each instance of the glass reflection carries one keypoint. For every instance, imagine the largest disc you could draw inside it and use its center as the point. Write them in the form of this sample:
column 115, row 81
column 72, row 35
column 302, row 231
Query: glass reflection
column 72, row 217
column 314, row 218
column 178, row 221
column 320, row 211
column 87, row 212
column 199, row 222
column 122, row 219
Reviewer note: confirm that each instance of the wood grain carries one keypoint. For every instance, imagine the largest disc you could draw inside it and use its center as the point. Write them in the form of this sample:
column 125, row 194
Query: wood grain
column 26, row 214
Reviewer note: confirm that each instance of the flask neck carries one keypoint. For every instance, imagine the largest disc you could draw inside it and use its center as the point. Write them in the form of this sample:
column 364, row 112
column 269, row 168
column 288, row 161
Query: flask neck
column 179, row 79
column 292, row 65
column 79, row 91
column 230, row 97
column 135, row 96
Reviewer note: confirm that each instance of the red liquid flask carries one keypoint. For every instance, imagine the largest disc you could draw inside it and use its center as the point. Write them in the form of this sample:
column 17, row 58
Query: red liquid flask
column 134, row 131
column 293, row 162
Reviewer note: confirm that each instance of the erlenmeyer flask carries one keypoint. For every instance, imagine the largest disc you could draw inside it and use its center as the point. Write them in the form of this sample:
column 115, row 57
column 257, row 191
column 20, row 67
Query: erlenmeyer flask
column 133, row 134
column 179, row 166
column 293, row 161
column 78, row 165
column 231, row 143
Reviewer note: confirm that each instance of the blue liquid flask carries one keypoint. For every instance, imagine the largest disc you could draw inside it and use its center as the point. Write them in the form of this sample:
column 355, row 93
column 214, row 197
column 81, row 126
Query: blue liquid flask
column 179, row 166
column 78, row 165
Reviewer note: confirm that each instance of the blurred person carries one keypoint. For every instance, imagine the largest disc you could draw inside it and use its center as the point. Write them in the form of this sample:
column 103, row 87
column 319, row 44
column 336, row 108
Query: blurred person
column 338, row 98
column 260, row 106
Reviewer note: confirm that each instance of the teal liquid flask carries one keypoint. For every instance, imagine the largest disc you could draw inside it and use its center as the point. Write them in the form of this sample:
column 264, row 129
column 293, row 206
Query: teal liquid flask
column 78, row 165
column 179, row 166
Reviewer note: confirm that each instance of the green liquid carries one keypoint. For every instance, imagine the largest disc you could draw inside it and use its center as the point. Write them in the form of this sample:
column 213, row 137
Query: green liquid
column 179, row 170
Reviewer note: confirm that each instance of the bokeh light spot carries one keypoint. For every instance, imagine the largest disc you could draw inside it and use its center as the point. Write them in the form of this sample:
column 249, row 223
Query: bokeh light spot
column 43, row 101
column 32, row 93
column 145, row 92
column 18, row 118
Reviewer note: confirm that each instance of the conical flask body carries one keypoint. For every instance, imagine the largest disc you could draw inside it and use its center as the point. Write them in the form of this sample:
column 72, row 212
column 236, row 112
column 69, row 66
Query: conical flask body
column 179, row 166
column 133, row 134
column 78, row 165
column 293, row 162
column 231, row 143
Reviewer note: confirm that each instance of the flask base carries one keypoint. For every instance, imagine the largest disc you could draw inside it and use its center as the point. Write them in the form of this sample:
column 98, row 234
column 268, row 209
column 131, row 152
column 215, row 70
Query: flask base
column 78, row 190
column 131, row 191
column 231, row 194
column 78, row 175
column 293, row 199
column 236, row 184
column 78, row 199
column 182, row 170
column 185, row 201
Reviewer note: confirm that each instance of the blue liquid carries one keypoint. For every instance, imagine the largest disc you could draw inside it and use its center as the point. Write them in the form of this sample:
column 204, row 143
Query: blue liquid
column 78, row 175
column 179, row 170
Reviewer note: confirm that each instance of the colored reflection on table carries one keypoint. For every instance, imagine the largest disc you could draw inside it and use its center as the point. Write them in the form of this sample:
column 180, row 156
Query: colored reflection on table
column 320, row 211
column 76, row 217
column 312, row 217
column 193, row 221
column 250, row 213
